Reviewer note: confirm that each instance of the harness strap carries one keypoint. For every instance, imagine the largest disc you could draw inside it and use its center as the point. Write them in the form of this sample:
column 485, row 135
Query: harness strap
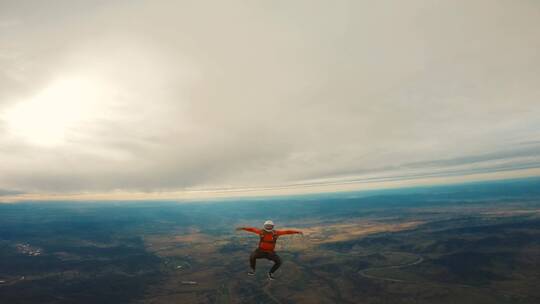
column 274, row 237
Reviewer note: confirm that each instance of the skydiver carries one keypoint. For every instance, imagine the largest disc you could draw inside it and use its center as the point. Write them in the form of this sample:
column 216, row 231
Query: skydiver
column 267, row 242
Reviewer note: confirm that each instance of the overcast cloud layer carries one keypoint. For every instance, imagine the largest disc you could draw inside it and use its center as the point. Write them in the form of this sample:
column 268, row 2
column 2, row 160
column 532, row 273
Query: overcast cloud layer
column 98, row 96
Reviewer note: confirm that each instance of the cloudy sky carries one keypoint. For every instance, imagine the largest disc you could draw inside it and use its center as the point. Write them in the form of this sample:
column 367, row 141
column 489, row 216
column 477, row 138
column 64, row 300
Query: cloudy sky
column 108, row 97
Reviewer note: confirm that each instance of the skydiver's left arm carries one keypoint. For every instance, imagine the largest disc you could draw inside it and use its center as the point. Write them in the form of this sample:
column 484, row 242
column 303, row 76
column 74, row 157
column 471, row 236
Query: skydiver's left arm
column 284, row 232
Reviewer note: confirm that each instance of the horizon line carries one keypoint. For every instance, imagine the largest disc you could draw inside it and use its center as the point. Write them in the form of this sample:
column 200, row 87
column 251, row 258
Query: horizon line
column 351, row 185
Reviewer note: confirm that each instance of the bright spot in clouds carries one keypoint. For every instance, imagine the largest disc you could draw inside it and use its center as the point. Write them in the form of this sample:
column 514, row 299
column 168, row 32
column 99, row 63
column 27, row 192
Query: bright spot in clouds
column 64, row 106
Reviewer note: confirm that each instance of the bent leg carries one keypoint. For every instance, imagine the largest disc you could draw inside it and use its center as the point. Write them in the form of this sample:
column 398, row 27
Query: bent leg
column 277, row 262
column 253, row 259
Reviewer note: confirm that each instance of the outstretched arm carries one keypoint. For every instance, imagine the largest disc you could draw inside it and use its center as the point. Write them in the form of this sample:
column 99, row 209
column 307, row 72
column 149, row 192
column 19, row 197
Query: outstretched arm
column 284, row 232
column 249, row 229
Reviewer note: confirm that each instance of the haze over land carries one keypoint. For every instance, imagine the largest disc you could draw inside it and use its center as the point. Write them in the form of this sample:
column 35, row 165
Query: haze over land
column 134, row 98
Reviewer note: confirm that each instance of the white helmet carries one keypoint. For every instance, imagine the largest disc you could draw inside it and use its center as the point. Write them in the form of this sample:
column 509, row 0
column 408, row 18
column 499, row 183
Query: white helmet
column 268, row 225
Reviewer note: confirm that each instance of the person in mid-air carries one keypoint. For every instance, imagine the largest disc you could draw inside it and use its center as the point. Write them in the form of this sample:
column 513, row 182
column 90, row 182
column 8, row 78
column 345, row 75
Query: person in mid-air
column 267, row 243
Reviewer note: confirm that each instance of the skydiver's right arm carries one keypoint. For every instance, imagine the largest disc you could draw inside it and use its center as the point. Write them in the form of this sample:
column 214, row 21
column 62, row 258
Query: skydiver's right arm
column 249, row 229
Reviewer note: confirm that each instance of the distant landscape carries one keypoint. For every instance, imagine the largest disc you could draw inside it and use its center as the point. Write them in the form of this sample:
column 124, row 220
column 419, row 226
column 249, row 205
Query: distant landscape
column 467, row 243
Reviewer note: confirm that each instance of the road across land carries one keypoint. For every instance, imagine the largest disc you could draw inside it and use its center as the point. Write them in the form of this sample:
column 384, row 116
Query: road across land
column 363, row 273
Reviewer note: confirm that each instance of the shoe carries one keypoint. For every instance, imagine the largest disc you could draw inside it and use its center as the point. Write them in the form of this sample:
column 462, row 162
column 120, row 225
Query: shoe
column 270, row 276
column 251, row 273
